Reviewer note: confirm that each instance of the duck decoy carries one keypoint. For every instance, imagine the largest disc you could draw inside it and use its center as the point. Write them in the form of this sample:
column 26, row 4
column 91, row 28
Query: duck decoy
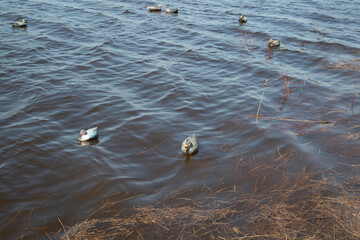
column 154, row 9
column 242, row 19
column 173, row 10
column 23, row 23
column 273, row 43
column 86, row 135
column 190, row 145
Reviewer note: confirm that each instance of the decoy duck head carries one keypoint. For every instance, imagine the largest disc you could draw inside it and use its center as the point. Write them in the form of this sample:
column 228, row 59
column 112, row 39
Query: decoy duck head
column 24, row 20
column 83, row 132
column 188, row 145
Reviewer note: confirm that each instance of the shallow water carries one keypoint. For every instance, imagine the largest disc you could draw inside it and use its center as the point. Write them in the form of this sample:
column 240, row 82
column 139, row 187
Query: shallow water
column 148, row 81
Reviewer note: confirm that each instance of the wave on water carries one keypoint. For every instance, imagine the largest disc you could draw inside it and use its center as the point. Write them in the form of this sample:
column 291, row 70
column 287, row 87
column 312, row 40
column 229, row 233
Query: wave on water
column 267, row 119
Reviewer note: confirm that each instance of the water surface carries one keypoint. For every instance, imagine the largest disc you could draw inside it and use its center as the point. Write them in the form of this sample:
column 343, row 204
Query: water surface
column 148, row 81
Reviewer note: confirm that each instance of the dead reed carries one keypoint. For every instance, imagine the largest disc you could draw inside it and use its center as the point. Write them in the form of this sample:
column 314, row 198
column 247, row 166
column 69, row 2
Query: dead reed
column 247, row 41
column 353, row 99
column 285, row 84
column 319, row 30
column 305, row 205
column 262, row 96
column 325, row 211
column 344, row 64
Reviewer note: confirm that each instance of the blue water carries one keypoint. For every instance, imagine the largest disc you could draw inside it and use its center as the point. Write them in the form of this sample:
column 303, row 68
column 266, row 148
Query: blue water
column 149, row 80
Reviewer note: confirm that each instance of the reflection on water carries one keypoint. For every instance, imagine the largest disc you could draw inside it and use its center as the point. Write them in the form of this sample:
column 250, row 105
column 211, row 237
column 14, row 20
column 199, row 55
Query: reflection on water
column 93, row 141
column 188, row 158
column 20, row 29
column 148, row 78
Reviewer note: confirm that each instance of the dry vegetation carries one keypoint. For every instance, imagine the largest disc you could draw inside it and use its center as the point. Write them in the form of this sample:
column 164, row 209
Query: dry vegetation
column 344, row 64
column 309, row 205
column 247, row 41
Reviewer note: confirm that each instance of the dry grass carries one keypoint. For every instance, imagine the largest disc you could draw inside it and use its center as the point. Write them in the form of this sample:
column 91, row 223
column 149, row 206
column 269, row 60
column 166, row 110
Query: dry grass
column 310, row 206
column 344, row 64
column 327, row 212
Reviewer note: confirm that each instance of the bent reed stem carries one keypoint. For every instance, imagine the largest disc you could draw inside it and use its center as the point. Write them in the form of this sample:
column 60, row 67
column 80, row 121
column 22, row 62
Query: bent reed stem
column 262, row 96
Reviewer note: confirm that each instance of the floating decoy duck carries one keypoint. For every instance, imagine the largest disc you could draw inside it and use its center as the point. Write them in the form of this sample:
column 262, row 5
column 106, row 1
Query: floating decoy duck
column 23, row 23
column 154, row 9
column 242, row 19
column 273, row 43
column 86, row 135
column 190, row 145
column 174, row 10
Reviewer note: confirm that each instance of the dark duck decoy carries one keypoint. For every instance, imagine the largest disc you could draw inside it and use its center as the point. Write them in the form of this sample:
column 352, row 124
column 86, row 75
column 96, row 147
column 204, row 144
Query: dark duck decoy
column 190, row 145
column 273, row 43
column 173, row 10
column 242, row 19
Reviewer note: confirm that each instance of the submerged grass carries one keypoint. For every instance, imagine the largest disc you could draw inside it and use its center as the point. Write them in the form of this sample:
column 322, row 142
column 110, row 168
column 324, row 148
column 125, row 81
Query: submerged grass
column 306, row 205
column 247, row 41
column 344, row 64
column 326, row 211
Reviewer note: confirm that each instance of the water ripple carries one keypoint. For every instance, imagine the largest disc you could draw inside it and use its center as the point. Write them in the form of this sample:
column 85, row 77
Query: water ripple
column 148, row 80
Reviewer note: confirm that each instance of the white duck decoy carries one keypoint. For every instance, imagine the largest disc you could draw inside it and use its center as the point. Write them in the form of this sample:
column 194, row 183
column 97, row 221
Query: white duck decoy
column 273, row 43
column 86, row 135
column 242, row 19
column 154, row 9
column 23, row 23
column 173, row 10
column 190, row 145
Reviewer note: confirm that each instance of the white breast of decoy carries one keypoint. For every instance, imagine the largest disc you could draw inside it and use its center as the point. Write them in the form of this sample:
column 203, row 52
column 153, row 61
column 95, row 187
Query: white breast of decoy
column 23, row 23
column 86, row 135
column 153, row 8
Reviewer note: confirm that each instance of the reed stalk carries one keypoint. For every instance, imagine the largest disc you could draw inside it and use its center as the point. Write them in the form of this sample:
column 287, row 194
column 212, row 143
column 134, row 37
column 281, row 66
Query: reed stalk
column 262, row 96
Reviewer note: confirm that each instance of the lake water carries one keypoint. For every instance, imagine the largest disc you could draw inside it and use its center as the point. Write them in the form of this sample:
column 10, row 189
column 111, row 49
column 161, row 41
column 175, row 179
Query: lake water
column 149, row 80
